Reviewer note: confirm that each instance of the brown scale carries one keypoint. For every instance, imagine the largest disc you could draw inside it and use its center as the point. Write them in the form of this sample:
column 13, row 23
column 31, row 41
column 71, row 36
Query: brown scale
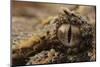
column 62, row 31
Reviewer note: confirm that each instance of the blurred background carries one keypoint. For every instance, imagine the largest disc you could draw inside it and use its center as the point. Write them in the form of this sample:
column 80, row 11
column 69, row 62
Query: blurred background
column 28, row 16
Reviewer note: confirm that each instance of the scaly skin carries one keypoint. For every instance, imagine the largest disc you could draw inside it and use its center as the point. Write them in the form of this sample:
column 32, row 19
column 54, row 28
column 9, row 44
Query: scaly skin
column 48, row 37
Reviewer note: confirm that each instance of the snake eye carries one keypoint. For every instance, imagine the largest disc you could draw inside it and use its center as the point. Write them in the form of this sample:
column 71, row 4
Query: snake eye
column 69, row 35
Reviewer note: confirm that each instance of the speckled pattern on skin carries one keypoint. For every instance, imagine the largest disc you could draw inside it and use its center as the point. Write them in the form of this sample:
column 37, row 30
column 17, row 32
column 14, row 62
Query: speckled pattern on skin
column 40, row 43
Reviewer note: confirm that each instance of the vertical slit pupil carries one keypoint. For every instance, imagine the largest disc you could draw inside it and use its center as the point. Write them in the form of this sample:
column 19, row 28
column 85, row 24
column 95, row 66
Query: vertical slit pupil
column 69, row 34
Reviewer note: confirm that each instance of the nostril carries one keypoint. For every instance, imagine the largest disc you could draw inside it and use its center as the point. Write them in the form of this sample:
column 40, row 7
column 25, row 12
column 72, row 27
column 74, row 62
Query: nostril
column 69, row 34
